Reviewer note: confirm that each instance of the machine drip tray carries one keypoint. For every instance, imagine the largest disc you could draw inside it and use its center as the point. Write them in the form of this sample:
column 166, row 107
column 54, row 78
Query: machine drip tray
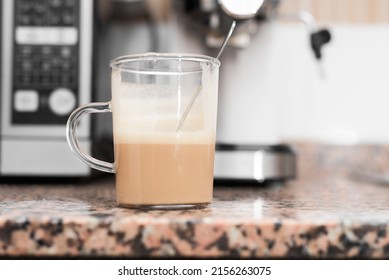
column 254, row 163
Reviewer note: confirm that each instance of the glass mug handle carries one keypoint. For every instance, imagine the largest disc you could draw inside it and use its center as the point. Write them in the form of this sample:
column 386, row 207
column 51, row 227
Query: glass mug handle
column 71, row 135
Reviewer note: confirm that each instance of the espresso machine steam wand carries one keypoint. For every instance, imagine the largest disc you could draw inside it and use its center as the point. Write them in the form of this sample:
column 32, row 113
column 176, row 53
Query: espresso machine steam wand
column 318, row 37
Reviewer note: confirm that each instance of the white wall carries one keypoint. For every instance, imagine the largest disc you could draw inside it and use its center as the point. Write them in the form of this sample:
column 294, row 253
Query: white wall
column 350, row 103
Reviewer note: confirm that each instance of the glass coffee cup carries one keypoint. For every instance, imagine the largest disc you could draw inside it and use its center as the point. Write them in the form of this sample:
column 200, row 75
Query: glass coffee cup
column 164, row 109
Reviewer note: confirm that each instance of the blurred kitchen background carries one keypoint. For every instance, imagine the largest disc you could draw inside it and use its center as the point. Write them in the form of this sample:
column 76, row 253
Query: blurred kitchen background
column 299, row 71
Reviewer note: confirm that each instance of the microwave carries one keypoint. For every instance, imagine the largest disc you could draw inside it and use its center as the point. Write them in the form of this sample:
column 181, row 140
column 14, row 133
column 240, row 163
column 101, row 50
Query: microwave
column 46, row 72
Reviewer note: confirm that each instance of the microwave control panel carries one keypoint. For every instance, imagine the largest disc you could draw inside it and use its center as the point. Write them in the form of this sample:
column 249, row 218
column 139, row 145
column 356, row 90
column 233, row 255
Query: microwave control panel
column 45, row 82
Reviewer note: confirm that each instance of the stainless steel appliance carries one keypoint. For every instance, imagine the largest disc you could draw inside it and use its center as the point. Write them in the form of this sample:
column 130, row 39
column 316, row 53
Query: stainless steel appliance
column 249, row 148
column 46, row 60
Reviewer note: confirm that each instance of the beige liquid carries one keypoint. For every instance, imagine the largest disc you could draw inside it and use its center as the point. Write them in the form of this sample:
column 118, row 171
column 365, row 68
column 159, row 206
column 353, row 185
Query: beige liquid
column 164, row 173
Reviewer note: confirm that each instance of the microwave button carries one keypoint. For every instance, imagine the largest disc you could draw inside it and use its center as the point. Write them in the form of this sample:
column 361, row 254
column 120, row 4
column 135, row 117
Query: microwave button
column 25, row 80
column 45, row 66
column 25, row 6
column 26, row 101
column 56, row 3
column 39, row 7
column 66, row 66
column 26, row 66
column 70, row 3
column 62, row 101
column 65, row 80
column 66, row 52
column 68, row 18
column 55, row 20
column 39, row 20
column 26, row 51
column 25, row 20
column 47, row 50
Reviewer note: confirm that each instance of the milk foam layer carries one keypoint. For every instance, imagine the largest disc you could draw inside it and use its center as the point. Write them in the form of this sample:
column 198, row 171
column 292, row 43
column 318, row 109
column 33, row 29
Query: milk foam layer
column 150, row 113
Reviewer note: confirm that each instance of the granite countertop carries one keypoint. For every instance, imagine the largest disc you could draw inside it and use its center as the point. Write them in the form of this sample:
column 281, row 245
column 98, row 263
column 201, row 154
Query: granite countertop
column 325, row 213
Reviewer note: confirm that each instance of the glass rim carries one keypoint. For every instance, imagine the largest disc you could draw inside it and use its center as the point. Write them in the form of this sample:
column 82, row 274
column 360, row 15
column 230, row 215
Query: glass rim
column 163, row 56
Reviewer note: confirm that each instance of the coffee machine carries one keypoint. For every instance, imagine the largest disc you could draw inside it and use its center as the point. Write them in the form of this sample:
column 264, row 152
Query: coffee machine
column 248, row 147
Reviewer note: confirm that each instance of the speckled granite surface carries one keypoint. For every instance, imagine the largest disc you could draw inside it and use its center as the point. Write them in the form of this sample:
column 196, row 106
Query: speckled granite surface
column 325, row 213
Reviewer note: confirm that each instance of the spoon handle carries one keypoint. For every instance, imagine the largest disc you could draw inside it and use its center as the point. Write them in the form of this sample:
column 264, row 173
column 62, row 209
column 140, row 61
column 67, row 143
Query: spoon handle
column 200, row 87
column 226, row 39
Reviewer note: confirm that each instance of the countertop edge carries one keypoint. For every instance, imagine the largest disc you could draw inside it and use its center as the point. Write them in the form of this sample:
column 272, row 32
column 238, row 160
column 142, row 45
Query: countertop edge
column 139, row 237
